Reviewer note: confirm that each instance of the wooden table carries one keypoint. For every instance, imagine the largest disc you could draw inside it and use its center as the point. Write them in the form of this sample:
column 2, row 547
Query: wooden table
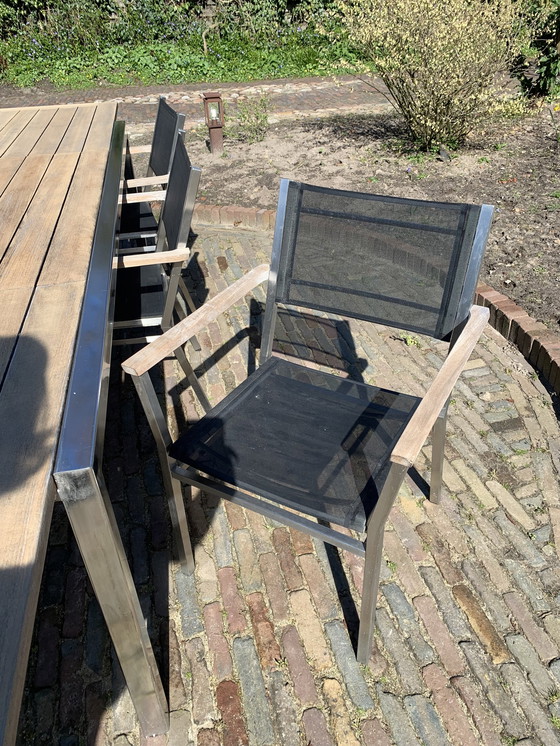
column 55, row 177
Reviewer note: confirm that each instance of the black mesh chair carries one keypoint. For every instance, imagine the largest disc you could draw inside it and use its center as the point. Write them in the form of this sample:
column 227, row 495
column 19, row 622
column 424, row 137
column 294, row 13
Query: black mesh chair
column 306, row 447
column 148, row 262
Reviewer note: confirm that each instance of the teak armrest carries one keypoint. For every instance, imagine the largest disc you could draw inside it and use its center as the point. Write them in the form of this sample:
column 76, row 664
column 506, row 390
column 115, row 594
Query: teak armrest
column 420, row 424
column 124, row 261
column 145, row 181
column 135, row 197
column 167, row 343
column 134, row 149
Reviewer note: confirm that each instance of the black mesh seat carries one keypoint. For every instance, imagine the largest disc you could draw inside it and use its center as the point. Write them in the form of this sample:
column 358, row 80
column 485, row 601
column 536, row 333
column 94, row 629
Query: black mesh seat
column 325, row 455
column 306, row 447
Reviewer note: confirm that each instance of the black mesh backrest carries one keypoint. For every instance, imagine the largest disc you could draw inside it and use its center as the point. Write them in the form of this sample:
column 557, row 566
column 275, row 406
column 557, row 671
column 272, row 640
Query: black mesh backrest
column 174, row 216
column 168, row 123
column 402, row 262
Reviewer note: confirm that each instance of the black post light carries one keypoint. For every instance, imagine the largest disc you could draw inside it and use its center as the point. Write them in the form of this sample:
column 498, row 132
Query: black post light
column 214, row 114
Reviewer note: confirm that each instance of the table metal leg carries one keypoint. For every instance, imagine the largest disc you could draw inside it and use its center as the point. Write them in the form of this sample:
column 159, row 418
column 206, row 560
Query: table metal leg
column 93, row 521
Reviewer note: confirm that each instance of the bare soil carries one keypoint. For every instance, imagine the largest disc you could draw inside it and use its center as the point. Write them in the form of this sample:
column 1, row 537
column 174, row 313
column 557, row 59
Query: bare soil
column 513, row 166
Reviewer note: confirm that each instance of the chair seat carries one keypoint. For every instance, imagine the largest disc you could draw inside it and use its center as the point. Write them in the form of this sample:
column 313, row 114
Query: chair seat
column 309, row 440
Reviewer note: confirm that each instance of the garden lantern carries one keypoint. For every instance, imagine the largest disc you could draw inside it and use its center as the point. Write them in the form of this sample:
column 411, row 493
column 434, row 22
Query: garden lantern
column 214, row 114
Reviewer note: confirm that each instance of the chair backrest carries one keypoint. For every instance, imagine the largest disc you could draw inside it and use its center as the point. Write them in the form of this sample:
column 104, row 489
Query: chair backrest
column 178, row 207
column 405, row 263
column 166, row 130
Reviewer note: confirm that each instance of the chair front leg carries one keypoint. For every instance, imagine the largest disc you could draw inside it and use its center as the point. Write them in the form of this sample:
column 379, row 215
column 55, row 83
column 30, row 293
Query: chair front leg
column 374, row 556
column 438, row 451
column 180, row 525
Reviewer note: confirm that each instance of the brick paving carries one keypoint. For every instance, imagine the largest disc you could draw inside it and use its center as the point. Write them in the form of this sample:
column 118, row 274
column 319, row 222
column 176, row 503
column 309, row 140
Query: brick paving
column 256, row 647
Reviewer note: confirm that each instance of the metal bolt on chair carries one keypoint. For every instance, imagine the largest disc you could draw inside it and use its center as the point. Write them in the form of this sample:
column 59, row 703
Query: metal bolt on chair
column 305, row 447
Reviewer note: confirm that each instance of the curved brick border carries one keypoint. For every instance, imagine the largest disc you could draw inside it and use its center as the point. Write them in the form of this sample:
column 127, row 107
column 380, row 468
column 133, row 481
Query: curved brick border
column 536, row 342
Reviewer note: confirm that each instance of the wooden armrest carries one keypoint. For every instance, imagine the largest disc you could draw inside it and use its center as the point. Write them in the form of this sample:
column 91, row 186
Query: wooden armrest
column 167, row 343
column 139, row 149
column 420, row 424
column 122, row 261
column 145, row 181
column 136, row 197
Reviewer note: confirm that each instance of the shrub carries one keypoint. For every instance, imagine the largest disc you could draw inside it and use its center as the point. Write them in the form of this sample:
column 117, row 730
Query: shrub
column 441, row 61
column 538, row 68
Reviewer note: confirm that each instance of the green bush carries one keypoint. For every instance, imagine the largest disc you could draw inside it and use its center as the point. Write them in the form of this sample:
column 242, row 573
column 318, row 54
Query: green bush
column 538, row 68
column 441, row 61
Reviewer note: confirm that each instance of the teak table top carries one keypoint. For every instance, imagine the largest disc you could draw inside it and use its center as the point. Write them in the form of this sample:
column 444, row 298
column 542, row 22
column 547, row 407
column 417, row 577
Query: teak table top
column 52, row 166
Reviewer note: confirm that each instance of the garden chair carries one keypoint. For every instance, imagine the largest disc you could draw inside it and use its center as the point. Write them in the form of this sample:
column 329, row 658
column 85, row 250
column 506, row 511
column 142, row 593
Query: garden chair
column 306, row 447
column 148, row 262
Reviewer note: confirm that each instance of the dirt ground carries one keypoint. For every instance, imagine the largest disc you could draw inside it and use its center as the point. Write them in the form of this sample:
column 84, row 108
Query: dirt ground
column 513, row 166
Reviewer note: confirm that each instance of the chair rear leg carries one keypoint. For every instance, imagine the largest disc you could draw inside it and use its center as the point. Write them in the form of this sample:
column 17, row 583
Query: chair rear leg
column 181, row 527
column 438, row 450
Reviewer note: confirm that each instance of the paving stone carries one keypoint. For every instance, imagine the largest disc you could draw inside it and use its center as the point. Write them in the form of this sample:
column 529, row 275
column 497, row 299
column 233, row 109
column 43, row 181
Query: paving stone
column 300, row 672
column 545, row 647
column 71, row 703
column 406, row 571
column 284, row 711
column 326, row 604
column 523, row 696
column 493, row 688
column 486, row 723
column 446, row 528
column 48, row 641
column 452, row 615
column 491, row 601
column 206, row 575
column 247, row 561
column 310, row 630
column 285, row 554
column 426, row 720
column 448, row 704
column 406, row 667
column 255, row 703
column 397, row 720
column 407, row 535
column 524, row 546
column 475, row 484
column 260, row 532
column 267, row 647
column 222, row 543
column 440, row 553
column 233, row 603
column 180, row 731
column 404, row 613
column 338, row 714
column 217, row 643
column 229, row 704
column 442, row 641
column 275, row 586
column 511, row 505
column 74, row 602
column 191, row 621
column 373, row 733
column 528, row 585
column 348, row 665
column 316, row 728
column 527, row 657
column 203, row 707
column 552, row 625
column 480, row 623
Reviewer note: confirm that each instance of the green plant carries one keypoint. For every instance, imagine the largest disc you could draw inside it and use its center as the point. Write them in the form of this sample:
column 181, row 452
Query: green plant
column 252, row 122
column 410, row 340
column 439, row 60
column 538, row 66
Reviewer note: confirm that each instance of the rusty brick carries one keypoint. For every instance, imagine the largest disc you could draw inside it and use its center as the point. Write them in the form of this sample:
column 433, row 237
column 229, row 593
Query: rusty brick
column 482, row 626
column 302, row 543
column 407, row 535
column 373, row 733
column 300, row 672
column 267, row 647
column 229, row 704
column 236, row 515
column 316, row 730
column 211, row 737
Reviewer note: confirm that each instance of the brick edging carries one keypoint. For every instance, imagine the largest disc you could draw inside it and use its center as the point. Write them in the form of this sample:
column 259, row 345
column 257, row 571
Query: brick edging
column 538, row 344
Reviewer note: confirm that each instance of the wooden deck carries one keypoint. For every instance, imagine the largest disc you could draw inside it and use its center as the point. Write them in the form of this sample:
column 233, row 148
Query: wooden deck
column 52, row 167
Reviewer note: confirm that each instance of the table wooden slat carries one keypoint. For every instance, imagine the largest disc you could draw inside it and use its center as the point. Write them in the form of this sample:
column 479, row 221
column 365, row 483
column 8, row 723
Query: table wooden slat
column 31, row 407
column 14, row 127
column 76, row 134
column 5, row 116
column 26, row 141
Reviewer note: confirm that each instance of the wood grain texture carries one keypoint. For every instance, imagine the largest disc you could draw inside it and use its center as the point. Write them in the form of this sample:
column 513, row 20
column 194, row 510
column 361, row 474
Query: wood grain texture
column 31, row 406
column 154, row 257
column 99, row 133
column 145, row 181
column 420, row 424
column 167, row 343
column 135, row 197
column 14, row 127
column 27, row 139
